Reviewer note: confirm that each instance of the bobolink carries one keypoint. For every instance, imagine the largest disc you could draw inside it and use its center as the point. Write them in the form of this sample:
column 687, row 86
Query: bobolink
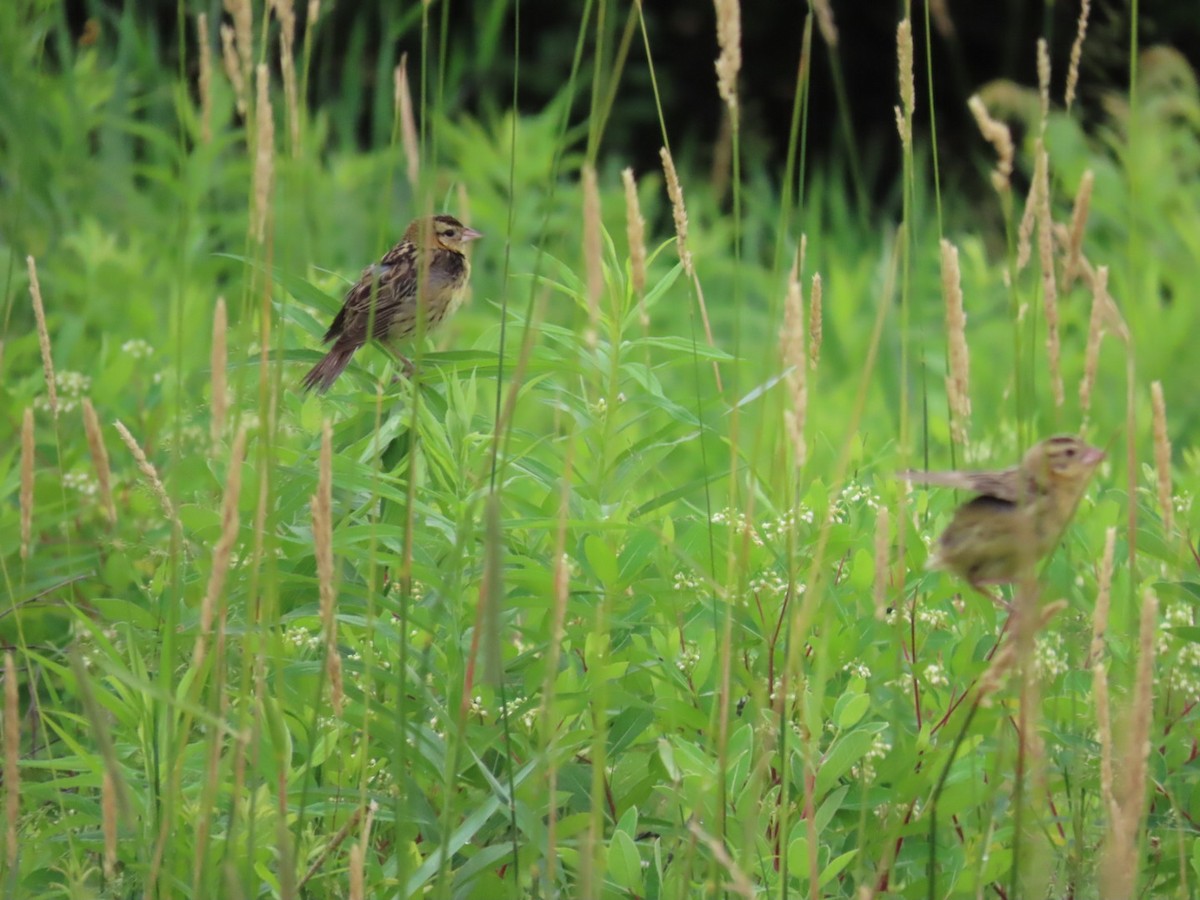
column 1019, row 515
column 426, row 272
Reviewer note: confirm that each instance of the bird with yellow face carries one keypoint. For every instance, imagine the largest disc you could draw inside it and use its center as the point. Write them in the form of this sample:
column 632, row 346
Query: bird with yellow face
column 417, row 285
column 1019, row 514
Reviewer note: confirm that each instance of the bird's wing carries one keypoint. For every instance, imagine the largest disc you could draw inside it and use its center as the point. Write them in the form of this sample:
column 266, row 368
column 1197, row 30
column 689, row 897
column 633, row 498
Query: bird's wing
column 1003, row 484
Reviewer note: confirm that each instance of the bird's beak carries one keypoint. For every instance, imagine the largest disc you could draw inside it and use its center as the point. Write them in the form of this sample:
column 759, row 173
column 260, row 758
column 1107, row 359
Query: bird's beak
column 470, row 234
column 1092, row 456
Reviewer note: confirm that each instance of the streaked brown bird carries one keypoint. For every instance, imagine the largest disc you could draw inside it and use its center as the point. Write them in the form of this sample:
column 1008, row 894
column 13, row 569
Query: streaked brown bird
column 1019, row 515
column 426, row 272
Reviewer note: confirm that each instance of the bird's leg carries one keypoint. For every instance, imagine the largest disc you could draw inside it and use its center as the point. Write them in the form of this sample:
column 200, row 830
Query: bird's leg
column 995, row 598
column 406, row 366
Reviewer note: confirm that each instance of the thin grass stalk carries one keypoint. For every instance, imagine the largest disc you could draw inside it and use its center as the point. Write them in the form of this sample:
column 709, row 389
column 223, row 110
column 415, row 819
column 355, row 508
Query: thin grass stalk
column 1091, row 357
column 26, row 497
column 1085, row 8
column 12, row 757
column 825, row 22
column 322, row 516
column 39, row 316
column 1162, row 457
column 223, row 550
column 285, row 11
column 1103, row 598
column 108, row 824
column 204, row 84
column 99, row 454
column 1049, row 285
column 219, row 362
column 593, row 261
column 883, row 543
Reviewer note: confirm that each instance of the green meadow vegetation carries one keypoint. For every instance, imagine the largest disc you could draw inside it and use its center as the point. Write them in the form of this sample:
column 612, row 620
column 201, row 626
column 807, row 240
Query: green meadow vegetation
column 619, row 595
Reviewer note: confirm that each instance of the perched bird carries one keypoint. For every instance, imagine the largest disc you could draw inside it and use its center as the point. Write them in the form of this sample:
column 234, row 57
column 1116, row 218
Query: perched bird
column 1019, row 515
column 426, row 272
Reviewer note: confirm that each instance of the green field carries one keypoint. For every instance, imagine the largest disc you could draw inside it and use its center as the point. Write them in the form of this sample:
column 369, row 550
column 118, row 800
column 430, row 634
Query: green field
column 618, row 595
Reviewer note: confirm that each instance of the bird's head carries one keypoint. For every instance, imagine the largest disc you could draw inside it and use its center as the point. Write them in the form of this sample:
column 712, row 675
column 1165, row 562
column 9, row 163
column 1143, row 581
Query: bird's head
column 444, row 232
column 1062, row 460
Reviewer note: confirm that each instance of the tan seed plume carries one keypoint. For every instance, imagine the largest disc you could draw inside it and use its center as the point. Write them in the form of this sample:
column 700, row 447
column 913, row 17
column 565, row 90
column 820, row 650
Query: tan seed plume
column 1079, row 214
column 593, row 259
column 1049, row 284
column 1085, row 9
column 223, row 551
column 904, row 55
column 1043, row 70
column 99, row 452
column 322, row 516
column 148, row 471
column 678, row 211
column 233, row 69
column 218, row 361
column 1162, row 457
column 1091, row 357
column 825, row 21
column 635, row 232
column 243, row 20
column 729, row 39
column 205, row 80
column 814, row 322
column 314, row 12
column 39, row 317
column 403, row 103
column 27, row 448
column 1000, row 137
column 12, row 756
column 940, row 11
column 264, row 154
column 1029, row 215
column 958, row 380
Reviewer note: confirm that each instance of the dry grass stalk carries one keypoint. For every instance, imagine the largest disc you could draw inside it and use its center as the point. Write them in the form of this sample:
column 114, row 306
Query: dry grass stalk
column 678, row 211
column 264, row 154
column 314, row 12
column 205, row 80
column 26, row 482
column 958, row 380
column 1103, row 598
column 1085, row 8
column 1006, row 656
column 285, row 11
column 814, row 322
column 219, row 361
column 408, row 123
column 1079, row 214
column 148, row 471
column 357, row 889
column 108, row 820
column 729, row 39
column 1091, row 359
column 825, row 22
column 39, row 316
column 1000, row 137
column 223, row 551
column 95, row 440
column 1043, row 70
column 902, row 127
column 322, row 514
column 792, row 351
column 1162, row 456
column 12, row 756
column 635, row 232
column 883, row 542
column 593, row 252
column 1049, row 284
column 233, row 69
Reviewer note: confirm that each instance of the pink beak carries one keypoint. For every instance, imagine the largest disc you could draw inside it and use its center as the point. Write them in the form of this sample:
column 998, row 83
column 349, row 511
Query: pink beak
column 470, row 234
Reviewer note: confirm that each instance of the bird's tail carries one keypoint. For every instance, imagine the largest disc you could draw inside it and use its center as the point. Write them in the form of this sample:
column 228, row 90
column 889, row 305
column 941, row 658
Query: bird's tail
column 326, row 372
